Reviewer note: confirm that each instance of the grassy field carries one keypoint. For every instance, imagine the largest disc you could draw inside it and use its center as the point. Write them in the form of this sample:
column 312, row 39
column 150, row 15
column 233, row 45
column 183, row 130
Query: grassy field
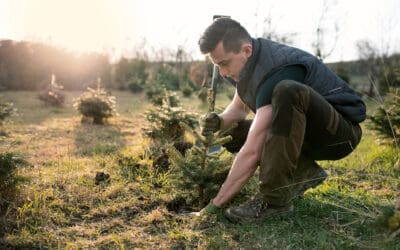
column 60, row 206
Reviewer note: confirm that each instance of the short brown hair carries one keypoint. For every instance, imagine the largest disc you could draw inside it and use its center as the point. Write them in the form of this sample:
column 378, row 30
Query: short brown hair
column 230, row 32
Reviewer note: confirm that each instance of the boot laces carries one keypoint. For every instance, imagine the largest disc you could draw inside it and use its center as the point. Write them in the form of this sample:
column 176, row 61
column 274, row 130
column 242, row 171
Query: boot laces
column 256, row 203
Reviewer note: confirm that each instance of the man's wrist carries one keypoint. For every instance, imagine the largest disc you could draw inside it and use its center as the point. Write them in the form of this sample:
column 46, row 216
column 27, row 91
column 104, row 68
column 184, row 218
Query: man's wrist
column 212, row 208
column 216, row 202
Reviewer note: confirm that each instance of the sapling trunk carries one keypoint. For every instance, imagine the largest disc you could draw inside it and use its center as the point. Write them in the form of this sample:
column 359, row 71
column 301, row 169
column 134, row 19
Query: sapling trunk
column 202, row 166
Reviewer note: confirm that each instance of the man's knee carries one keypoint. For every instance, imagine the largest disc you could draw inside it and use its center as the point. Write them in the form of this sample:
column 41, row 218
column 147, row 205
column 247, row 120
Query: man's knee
column 289, row 91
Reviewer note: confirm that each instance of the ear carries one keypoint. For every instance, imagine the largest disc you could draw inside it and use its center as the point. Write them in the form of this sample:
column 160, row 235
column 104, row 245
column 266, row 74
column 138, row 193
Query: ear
column 247, row 48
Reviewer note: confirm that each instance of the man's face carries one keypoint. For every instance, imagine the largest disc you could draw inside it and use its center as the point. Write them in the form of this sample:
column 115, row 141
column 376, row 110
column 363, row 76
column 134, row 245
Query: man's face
column 230, row 64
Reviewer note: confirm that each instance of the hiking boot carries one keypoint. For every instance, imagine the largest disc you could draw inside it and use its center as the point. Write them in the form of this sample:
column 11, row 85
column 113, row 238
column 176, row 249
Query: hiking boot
column 311, row 182
column 255, row 210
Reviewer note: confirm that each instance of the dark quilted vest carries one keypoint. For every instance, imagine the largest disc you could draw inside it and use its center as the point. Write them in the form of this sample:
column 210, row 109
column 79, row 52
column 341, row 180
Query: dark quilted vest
column 269, row 56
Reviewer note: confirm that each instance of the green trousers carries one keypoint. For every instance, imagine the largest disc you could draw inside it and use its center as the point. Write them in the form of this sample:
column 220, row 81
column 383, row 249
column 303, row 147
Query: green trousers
column 304, row 128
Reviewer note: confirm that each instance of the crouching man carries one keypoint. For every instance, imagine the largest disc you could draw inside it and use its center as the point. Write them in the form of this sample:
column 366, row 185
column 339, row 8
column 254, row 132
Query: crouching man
column 303, row 113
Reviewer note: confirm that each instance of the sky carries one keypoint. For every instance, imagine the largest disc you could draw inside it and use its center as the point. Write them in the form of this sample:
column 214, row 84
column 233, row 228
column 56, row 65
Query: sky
column 123, row 27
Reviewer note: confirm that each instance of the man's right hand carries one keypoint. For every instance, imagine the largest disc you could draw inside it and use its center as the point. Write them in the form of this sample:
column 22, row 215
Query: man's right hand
column 210, row 123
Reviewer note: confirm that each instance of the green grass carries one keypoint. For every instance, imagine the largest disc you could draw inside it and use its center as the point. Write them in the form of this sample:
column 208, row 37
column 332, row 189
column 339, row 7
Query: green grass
column 62, row 207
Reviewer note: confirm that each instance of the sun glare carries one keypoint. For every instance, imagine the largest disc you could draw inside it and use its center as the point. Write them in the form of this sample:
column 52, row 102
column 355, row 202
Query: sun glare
column 122, row 26
column 76, row 25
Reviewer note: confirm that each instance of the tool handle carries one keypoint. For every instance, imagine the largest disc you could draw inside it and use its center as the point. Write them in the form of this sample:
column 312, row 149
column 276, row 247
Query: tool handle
column 213, row 88
column 215, row 75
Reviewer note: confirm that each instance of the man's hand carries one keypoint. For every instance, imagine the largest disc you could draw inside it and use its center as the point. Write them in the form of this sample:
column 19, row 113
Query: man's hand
column 208, row 210
column 210, row 123
column 211, row 209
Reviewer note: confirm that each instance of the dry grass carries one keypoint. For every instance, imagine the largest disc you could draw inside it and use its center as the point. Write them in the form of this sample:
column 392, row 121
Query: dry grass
column 62, row 207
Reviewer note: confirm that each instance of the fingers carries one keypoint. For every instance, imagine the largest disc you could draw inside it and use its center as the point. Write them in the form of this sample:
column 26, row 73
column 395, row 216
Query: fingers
column 211, row 117
column 210, row 123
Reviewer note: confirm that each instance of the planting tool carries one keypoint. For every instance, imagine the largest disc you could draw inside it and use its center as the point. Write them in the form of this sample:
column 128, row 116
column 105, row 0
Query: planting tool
column 214, row 76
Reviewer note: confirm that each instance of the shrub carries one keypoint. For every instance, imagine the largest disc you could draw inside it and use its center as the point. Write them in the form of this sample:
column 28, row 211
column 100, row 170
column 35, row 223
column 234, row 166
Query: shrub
column 166, row 78
column 386, row 119
column 163, row 129
column 155, row 94
column 96, row 104
column 199, row 173
column 187, row 90
column 164, row 120
column 131, row 73
column 134, row 86
column 6, row 109
column 138, row 76
column 8, row 179
column 390, row 77
column 52, row 95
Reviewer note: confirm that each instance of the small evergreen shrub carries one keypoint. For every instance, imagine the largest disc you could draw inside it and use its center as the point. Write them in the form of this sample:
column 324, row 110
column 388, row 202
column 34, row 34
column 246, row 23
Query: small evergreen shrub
column 6, row 110
column 167, row 78
column 135, row 87
column 199, row 173
column 8, row 178
column 390, row 78
column 386, row 119
column 163, row 121
column 156, row 93
column 52, row 95
column 138, row 75
column 96, row 104
column 163, row 129
column 187, row 90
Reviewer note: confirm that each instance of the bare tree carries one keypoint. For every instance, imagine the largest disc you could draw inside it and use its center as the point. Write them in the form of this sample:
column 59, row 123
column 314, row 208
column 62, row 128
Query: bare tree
column 326, row 39
column 270, row 32
column 270, row 29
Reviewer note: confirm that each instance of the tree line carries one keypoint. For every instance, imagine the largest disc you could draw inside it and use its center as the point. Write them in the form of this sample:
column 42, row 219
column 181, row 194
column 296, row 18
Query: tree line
column 29, row 66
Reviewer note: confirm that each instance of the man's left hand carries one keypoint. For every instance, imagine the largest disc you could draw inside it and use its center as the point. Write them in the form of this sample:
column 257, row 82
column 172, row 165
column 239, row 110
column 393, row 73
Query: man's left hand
column 210, row 209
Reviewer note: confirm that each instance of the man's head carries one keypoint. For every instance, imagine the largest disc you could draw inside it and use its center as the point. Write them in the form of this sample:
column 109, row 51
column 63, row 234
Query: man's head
column 228, row 44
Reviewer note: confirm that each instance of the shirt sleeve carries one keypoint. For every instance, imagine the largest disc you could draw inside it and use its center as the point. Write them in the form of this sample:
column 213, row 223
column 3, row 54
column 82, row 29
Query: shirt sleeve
column 264, row 92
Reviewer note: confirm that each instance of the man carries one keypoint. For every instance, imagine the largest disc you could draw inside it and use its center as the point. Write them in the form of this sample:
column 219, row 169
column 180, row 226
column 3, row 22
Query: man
column 303, row 112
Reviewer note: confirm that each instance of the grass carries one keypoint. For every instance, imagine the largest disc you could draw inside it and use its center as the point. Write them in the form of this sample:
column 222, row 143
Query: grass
column 62, row 207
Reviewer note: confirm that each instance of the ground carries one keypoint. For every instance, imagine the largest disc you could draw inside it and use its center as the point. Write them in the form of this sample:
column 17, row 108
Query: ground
column 60, row 205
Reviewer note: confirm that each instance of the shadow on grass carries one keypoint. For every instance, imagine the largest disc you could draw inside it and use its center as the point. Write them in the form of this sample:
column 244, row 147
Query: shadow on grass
column 91, row 139
column 314, row 224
